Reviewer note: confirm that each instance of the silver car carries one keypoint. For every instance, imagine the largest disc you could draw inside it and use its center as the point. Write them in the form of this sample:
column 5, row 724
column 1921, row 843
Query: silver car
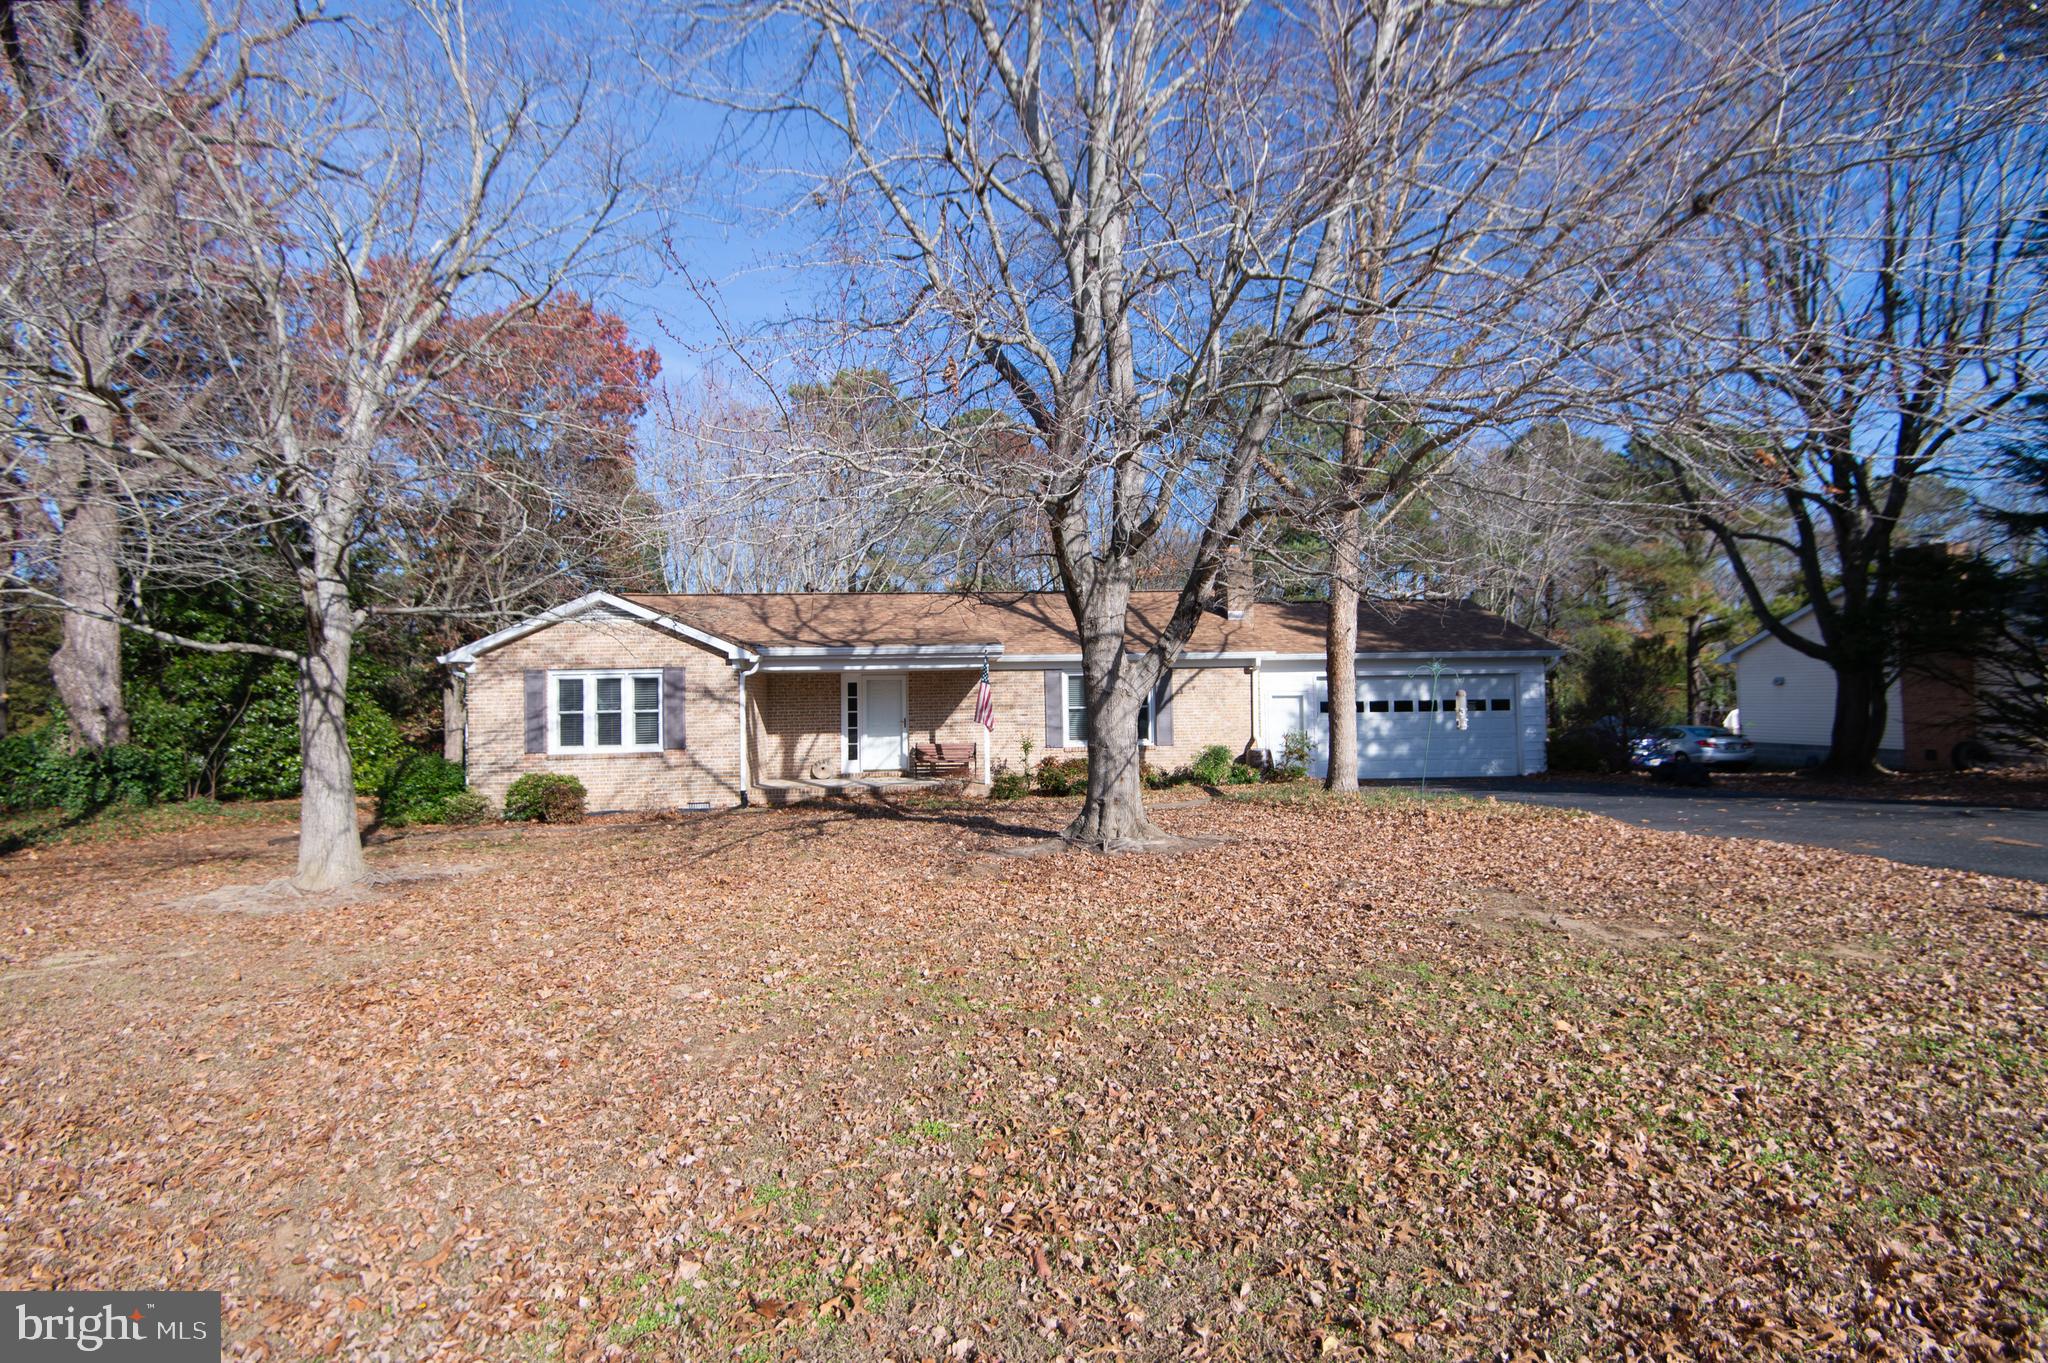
column 1702, row 743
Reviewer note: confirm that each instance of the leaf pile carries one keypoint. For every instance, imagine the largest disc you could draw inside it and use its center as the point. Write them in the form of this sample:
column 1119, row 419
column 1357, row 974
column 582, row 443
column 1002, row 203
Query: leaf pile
column 1406, row 1081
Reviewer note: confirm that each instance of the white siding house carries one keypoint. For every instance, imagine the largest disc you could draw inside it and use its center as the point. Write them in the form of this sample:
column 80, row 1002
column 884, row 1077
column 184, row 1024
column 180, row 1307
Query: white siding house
column 1788, row 699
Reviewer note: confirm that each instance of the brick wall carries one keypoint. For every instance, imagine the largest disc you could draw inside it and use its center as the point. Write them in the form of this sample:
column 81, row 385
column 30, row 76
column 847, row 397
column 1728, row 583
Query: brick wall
column 1939, row 712
column 1210, row 705
column 797, row 723
column 942, row 707
column 706, row 772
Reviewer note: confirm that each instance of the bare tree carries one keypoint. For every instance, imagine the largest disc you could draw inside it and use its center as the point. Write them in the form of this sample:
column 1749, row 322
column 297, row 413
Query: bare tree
column 389, row 201
column 1522, row 165
column 1863, row 317
column 1115, row 225
column 105, row 248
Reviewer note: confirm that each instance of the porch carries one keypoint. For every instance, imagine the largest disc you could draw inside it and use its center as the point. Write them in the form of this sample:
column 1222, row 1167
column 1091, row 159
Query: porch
column 857, row 730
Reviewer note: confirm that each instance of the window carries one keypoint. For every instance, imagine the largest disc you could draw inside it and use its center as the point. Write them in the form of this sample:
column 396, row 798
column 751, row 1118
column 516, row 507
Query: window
column 1077, row 714
column 600, row 711
column 1425, row 705
column 1378, row 707
column 1402, row 707
column 1503, row 703
column 853, row 724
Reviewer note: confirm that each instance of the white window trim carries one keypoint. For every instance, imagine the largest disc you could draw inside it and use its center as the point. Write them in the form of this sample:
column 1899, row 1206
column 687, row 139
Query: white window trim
column 856, row 702
column 1145, row 730
column 589, row 677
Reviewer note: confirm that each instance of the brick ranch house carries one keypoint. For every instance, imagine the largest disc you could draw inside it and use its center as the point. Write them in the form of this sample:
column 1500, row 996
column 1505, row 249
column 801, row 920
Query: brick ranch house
column 704, row 701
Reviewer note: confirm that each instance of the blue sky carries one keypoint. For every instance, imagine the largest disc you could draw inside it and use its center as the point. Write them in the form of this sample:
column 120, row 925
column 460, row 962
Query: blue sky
column 723, row 227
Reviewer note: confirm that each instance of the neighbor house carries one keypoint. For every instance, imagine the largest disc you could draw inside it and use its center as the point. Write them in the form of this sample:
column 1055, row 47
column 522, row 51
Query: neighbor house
column 1785, row 701
column 666, row 702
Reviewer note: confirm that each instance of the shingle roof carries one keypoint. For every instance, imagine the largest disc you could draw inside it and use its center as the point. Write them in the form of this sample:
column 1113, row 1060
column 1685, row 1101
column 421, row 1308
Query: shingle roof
column 1039, row 623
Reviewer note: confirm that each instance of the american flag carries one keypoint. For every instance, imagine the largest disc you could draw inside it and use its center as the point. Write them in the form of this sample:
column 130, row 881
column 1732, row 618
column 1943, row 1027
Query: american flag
column 985, row 701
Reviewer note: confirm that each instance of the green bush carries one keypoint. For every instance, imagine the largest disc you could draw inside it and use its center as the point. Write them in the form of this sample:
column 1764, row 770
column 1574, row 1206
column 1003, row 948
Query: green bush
column 1240, row 774
column 545, row 797
column 465, row 807
column 1212, row 767
column 1063, row 776
column 1585, row 750
column 262, row 758
column 1005, row 784
column 418, row 790
column 1296, row 751
column 37, row 773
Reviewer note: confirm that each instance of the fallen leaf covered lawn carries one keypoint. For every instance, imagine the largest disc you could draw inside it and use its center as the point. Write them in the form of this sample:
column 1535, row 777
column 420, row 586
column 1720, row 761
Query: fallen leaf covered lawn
column 1404, row 1081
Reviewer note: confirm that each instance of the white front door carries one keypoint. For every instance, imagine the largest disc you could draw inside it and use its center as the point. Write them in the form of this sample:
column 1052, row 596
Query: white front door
column 883, row 727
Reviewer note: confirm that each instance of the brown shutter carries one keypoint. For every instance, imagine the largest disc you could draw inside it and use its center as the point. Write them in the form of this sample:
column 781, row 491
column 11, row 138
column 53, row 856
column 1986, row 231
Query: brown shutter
column 1055, row 709
column 672, row 680
column 1162, row 711
column 536, row 710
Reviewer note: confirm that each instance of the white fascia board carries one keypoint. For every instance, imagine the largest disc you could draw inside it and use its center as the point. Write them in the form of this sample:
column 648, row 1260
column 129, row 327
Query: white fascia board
column 569, row 610
column 862, row 651
column 1372, row 655
column 1736, row 650
column 1074, row 659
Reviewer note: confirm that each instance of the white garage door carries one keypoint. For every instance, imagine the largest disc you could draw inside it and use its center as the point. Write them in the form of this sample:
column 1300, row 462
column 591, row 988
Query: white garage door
column 1407, row 729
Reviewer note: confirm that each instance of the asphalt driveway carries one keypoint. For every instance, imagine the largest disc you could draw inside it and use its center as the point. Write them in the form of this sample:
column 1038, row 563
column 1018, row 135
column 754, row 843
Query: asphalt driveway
column 1989, row 839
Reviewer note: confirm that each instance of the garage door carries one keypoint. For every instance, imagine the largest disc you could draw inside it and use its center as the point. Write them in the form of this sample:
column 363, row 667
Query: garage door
column 1407, row 728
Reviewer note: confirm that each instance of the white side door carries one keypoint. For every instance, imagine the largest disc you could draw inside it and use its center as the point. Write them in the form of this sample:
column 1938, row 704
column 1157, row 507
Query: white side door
column 883, row 725
column 1302, row 710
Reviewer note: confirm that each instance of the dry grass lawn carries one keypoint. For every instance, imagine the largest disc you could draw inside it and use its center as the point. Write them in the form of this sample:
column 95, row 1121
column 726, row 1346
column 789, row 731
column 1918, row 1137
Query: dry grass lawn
column 1382, row 1079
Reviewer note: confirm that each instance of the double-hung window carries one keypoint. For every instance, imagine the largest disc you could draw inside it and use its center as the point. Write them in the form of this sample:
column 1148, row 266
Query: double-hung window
column 601, row 712
column 1077, row 714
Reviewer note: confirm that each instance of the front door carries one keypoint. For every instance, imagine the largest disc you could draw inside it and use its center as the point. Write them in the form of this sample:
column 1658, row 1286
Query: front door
column 883, row 729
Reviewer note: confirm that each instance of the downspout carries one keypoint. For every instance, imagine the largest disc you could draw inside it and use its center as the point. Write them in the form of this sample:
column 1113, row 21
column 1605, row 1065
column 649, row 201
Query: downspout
column 746, row 729
column 1258, row 718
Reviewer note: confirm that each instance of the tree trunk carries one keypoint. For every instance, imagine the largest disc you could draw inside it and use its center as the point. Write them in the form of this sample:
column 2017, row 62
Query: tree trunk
column 1112, row 817
column 86, row 668
column 1340, row 647
column 1859, row 723
column 330, row 845
column 1695, row 669
column 6, row 639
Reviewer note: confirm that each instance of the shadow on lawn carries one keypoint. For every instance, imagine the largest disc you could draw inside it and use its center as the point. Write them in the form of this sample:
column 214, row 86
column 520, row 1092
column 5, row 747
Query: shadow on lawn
column 970, row 818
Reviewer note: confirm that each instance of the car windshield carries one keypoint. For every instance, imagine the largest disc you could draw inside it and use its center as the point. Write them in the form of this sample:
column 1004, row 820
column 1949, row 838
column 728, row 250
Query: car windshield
column 1702, row 731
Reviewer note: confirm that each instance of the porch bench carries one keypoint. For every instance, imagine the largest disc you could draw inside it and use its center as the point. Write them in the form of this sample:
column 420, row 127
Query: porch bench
column 941, row 759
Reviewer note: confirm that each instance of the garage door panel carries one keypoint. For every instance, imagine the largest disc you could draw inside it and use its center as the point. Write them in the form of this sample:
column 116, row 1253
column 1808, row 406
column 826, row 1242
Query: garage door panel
column 1409, row 728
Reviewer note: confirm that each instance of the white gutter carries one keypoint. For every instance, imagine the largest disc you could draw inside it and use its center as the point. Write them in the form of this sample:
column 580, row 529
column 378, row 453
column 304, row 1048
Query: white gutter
column 974, row 651
column 1259, row 658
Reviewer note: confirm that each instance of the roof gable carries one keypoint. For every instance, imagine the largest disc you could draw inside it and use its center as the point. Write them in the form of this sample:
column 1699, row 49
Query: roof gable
column 599, row 604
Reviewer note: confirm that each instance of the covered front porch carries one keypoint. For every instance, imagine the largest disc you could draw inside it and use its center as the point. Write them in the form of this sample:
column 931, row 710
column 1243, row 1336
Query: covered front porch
column 861, row 726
